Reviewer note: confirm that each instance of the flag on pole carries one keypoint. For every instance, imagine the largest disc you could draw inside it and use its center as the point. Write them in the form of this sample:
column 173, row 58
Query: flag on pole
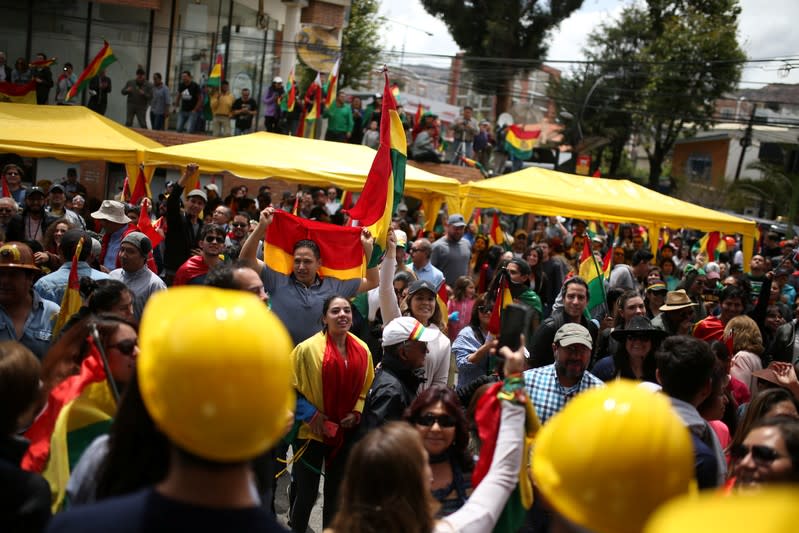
column 520, row 143
column 332, row 84
column 502, row 299
column 287, row 103
column 71, row 302
column 339, row 246
column 417, row 119
column 496, row 235
column 18, row 94
column 474, row 164
column 146, row 226
column 215, row 77
column 139, row 188
column 78, row 410
column 589, row 271
column 385, row 183
column 103, row 58
column 42, row 63
column 607, row 263
column 712, row 244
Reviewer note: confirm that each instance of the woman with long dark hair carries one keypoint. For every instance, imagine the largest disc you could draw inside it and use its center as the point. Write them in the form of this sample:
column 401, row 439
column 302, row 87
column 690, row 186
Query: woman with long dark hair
column 332, row 374
column 438, row 417
column 538, row 280
column 635, row 356
column 471, row 347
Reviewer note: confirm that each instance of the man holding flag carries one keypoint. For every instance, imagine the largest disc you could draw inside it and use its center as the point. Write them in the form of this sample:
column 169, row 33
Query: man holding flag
column 291, row 268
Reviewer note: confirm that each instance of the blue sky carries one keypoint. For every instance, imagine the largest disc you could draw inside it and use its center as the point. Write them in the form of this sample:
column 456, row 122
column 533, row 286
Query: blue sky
column 766, row 30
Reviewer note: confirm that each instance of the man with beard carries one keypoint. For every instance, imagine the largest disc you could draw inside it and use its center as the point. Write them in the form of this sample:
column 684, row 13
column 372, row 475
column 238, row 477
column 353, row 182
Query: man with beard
column 32, row 223
column 551, row 387
column 575, row 299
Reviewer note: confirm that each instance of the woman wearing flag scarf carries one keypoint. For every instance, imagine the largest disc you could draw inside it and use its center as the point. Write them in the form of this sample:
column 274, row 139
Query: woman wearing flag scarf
column 332, row 374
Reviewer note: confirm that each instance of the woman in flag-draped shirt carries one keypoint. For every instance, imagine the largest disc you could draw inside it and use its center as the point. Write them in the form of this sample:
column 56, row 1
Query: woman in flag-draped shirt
column 332, row 374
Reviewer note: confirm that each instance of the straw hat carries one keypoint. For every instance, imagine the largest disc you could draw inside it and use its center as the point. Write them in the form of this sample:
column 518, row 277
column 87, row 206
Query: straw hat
column 678, row 299
column 112, row 211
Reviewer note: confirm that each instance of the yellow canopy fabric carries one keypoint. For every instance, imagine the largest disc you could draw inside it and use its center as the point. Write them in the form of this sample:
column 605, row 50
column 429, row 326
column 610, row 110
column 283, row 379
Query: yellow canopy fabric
column 264, row 155
column 547, row 192
column 69, row 133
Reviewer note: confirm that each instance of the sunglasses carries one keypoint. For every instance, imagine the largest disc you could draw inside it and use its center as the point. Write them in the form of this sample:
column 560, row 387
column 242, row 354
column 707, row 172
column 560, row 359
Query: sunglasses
column 126, row 347
column 762, row 455
column 484, row 309
column 239, row 225
column 211, row 239
column 444, row 421
column 639, row 337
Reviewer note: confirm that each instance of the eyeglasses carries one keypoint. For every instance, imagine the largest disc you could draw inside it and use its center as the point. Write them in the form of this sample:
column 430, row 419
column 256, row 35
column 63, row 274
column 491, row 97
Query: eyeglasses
column 239, row 225
column 211, row 239
column 444, row 421
column 6, row 210
column 762, row 455
column 126, row 347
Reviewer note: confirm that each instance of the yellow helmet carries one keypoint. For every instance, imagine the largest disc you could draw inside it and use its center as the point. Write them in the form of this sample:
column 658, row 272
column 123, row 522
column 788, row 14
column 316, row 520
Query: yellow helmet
column 214, row 371
column 613, row 455
column 770, row 510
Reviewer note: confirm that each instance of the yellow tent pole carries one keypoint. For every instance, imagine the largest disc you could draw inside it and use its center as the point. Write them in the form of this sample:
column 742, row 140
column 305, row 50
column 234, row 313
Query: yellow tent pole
column 748, row 250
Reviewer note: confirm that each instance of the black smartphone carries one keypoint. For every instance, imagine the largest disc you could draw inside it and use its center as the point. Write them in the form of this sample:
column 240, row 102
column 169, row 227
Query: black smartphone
column 515, row 318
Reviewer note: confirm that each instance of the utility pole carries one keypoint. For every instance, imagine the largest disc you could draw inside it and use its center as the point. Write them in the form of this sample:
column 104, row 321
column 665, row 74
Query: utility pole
column 746, row 141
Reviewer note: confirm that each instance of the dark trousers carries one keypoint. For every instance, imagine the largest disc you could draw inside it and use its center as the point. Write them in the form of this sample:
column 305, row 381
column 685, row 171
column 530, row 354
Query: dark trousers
column 139, row 113
column 270, row 124
column 305, row 483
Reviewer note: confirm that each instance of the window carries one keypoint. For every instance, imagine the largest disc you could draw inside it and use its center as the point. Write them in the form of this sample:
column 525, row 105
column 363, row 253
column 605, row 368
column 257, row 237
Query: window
column 699, row 166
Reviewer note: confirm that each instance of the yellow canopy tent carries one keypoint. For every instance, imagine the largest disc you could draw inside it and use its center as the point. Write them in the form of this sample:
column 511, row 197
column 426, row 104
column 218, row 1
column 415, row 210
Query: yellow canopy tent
column 70, row 133
column 547, row 192
column 264, row 155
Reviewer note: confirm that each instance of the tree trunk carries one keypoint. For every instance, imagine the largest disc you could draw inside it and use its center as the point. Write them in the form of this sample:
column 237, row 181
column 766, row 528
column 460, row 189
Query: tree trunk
column 615, row 159
column 655, row 168
column 504, row 97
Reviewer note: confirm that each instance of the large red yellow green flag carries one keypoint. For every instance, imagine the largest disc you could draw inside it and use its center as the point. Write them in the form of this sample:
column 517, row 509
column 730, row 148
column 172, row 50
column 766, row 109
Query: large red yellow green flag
column 332, row 84
column 385, row 183
column 78, row 410
column 103, row 58
column 520, row 143
column 712, row 244
column 71, row 302
column 496, row 235
column 340, row 246
column 589, row 271
column 18, row 94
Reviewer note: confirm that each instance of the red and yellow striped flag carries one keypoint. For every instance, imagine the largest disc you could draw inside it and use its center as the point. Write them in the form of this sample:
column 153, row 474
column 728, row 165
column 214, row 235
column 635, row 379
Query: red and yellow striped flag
column 502, row 299
column 332, row 84
column 385, row 183
column 78, row 410
column 71, row 302
column 18, row 94
column 103, row 58
column 340, row 246
column 496, row 235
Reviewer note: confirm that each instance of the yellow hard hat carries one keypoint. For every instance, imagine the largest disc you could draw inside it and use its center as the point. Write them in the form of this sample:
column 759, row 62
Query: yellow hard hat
column 613, row 455
column 214, row 371
column 770, row 510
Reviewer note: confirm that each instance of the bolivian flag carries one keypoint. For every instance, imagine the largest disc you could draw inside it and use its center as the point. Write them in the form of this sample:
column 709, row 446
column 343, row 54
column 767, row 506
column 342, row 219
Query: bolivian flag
column 18, row 94
column 103, row 58
column 340, row 246
column 288, row 101
column 385, row 183
column 215, row 78
column 520, row 143
column 78, row 410
column 502, row 299
column 332, row 84
column 589, row 271
column 71, row 301
column 712, row 244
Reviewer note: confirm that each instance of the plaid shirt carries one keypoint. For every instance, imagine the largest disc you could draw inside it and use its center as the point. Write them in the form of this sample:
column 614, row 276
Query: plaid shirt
column 548, row 395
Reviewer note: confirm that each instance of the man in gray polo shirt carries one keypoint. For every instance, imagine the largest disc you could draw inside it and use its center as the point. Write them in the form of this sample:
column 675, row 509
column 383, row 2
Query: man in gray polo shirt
column 451, row 253
column 297, row 298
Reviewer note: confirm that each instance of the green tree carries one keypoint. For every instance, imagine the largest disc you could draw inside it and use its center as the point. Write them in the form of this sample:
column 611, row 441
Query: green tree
column 501, row 36
column 672, row 60
column 360, row 43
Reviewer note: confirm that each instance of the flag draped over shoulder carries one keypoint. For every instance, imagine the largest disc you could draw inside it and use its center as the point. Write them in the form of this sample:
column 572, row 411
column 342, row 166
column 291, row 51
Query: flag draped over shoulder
column 71, row 302
column 385, row 183
column 18, row 94
column 340, row 246
column 78, row 410
column 520, row 143
column 502, row 299
column 103, row 58
column 589, row 271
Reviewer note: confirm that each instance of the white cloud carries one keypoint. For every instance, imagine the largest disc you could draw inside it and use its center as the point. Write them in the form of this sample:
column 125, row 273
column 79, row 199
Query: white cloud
column 766, row 30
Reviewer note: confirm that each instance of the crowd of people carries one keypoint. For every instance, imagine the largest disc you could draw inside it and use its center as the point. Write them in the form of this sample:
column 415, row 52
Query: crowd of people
column 392, row 385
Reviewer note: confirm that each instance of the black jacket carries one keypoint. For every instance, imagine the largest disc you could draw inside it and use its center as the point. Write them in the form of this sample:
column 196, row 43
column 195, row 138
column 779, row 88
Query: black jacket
column 393, row 390
column 782, row 347
column 180, row 238
column 541, row 353
column 16, row 226
column 24, row 496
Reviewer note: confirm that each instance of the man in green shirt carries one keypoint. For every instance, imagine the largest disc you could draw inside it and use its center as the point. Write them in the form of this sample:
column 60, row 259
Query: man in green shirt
column 339, row 120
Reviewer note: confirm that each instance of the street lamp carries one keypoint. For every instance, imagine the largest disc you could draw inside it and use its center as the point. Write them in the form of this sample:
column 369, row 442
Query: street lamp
column 405, row 36
column 606, row 76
